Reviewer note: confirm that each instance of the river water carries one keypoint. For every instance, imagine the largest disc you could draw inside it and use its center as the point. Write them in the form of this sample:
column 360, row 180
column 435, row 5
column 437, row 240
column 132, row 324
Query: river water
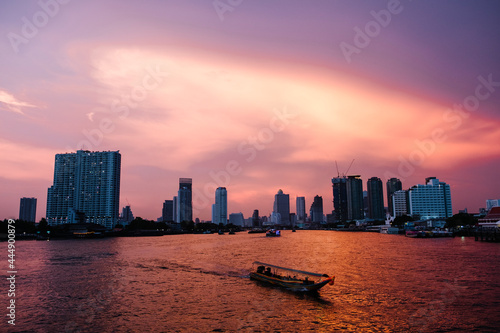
column 199, row 283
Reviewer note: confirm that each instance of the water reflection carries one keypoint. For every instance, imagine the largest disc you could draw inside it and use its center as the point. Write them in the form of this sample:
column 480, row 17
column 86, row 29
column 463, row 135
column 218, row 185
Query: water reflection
column 200, row 282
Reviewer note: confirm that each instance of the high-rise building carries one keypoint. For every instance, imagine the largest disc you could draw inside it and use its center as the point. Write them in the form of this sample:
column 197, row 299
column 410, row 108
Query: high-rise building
column 282, row 206
column 167, row 212
column 392, row 186
column 27, row 209
column 185, row 200
column 86, row 188
column 354, row 187
column 300, row 206
column 126, row 216
column 432, row 200
column 339, row 185
column 376, row 209
column 316, row 210
column 219, row 209
column 400, row 203
column 256, row 218
column 176, row 209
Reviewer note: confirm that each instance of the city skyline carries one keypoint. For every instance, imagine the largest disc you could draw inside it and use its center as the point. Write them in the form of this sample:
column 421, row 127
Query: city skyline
column 262, row 97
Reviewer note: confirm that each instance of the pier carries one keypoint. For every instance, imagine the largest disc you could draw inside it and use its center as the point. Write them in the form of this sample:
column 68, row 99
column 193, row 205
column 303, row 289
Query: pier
column 487, row 235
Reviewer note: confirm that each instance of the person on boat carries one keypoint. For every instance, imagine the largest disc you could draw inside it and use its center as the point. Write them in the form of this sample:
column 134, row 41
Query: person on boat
column 268, row 271
column 260, row 269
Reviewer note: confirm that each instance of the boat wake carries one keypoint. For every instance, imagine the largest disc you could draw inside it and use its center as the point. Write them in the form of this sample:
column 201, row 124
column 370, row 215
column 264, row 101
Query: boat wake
column 216, row 270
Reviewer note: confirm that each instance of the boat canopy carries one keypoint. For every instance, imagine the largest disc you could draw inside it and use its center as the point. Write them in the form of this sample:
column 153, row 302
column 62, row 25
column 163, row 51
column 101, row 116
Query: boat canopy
column 287, row 269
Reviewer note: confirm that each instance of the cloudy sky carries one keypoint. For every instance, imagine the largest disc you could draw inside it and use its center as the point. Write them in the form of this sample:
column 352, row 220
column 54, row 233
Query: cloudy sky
column 252, row 95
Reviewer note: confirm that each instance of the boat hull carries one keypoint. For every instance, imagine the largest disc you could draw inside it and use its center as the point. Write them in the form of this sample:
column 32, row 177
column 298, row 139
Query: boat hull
column 295, row 285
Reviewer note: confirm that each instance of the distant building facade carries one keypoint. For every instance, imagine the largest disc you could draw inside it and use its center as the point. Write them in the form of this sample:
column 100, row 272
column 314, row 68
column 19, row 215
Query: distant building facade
column 219, row 209
column 185, row 200
column 392, row 186
column 27, row 209
column 176, row 209
column 354, row 187
column 316, row 211
column 432, row 200
column 86, row 188
column 282, row 207
column 256, row 219
column 400, row 203
column 339, row 185
column 300, row 206
column 237, row 219
column 127, row 216
column 376, row 209
column 492, row 203
column 167, row 212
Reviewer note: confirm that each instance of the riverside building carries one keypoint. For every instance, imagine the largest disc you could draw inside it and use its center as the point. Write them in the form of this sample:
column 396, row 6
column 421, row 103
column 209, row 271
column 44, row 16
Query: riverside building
column 430, row 201
column 86, row 188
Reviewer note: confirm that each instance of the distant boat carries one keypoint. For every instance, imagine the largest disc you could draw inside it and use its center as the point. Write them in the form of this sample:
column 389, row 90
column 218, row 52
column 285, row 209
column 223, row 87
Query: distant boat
column 289, row 278
column 221, row 232
column 273, row 233
column 411, row 233
column 257, row 231
column 231, row 232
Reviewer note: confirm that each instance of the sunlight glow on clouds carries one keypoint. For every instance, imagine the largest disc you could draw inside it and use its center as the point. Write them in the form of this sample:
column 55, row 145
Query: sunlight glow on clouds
column 10, row 103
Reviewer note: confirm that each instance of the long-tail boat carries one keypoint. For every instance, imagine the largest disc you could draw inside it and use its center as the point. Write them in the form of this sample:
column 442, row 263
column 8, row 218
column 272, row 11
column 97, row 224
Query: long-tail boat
column 292, row 279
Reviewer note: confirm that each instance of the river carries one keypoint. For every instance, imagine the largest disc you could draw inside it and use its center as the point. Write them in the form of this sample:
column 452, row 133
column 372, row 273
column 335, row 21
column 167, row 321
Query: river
column 200, row 283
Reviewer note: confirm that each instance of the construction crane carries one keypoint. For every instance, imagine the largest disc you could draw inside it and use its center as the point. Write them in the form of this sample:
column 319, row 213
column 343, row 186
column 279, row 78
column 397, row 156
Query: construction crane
column 345, row 173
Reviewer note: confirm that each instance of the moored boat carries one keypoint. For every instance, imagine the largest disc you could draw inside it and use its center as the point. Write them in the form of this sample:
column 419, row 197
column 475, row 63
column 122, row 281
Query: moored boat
column 289, row 278
column 273, row 233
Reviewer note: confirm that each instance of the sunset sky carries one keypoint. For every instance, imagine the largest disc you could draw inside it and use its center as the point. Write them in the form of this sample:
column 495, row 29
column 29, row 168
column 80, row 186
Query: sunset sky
column 252, row 95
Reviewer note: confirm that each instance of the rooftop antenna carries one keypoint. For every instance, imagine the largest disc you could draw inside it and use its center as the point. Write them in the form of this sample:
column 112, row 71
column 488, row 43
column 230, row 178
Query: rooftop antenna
column 336, row 165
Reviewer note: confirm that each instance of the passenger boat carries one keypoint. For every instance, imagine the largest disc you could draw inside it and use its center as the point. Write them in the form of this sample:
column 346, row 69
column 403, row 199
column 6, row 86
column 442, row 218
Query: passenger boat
column 273, row 233
column 289, row 278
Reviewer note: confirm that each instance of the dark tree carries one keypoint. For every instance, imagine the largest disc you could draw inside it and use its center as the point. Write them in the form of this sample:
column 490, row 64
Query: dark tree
column 400, row 221
column 461, row 219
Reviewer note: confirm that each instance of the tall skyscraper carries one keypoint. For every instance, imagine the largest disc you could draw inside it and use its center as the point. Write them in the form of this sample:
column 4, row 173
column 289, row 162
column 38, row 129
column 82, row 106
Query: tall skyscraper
column 219, row 209
column 86, row 188
column 354, row 187
column 339, row 185
column 185, row 200
column 432, row 200
column 176, row 209
column 127, row 216
column 392, row 186
column 316, row 210
column 256, row 218
column 282, row 206
column 27, row 209
column 167, row 212
column 300, row 205
column 376, row 209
